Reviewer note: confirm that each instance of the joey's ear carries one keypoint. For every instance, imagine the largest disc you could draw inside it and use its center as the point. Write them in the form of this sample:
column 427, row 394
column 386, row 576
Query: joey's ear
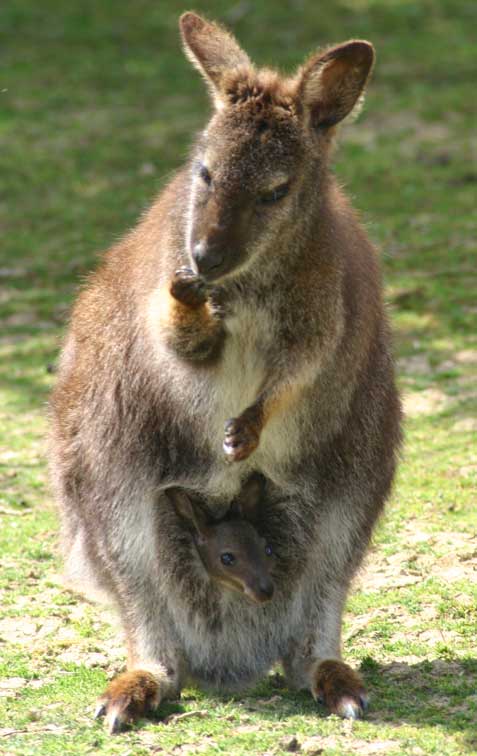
column 248, row 501
column 191, row 513
column 331, row 84
column 212, row 50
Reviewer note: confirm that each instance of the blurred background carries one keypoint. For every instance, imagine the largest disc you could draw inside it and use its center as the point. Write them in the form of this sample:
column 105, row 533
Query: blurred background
column 98, row 106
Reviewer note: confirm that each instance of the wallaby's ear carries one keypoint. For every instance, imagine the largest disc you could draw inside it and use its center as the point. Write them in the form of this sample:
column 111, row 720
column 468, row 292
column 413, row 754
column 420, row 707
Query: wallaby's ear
column 331, row 84
column 249, row 498
column 191, row 513
column 212, row 50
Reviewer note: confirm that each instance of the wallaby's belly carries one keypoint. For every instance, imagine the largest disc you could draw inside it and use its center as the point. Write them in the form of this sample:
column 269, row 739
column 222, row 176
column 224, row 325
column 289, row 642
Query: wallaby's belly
column 245, row 645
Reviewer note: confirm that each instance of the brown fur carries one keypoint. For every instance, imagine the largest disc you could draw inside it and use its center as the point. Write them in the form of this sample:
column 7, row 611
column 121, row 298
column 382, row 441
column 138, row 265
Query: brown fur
column 338, row 686
column 134, row 694
column 270, row 355
column 191, row 325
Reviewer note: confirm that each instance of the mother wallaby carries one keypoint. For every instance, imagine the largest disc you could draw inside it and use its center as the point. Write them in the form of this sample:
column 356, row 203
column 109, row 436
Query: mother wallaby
column 238, row 329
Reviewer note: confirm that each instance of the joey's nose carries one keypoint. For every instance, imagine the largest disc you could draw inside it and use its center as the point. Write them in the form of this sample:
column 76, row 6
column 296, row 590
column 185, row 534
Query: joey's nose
column 207, row 257
column 266, row 589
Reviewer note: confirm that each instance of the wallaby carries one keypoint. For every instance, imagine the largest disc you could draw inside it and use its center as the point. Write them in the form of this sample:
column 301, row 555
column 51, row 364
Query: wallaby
column 232, row 552
column 238, row 330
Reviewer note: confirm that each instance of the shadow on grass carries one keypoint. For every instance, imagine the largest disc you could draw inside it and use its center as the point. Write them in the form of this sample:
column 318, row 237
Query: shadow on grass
column 440, row 692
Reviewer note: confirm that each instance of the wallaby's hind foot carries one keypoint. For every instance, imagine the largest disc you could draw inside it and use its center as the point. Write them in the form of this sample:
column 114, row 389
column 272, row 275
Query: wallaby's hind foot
column 340, row 688
column 128, row 697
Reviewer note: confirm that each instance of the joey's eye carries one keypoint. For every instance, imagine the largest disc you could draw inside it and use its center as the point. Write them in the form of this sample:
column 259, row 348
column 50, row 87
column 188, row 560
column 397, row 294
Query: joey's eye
column 268, row 550
column 276, row 194
column 205, row 175
column 227, row 559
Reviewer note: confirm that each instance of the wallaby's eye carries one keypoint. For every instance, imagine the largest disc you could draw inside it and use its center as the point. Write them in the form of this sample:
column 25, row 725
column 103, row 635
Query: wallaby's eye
column 268, row 550
column 227, row 559
column 276, row 194
column 205, row 175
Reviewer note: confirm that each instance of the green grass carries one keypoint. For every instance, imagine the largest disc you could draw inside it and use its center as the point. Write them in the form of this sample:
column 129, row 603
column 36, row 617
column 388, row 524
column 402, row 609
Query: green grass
column 97, row 107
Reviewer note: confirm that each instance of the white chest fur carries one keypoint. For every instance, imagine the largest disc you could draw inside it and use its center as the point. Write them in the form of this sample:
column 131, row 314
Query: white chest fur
column 207, row 397
column 242, row 369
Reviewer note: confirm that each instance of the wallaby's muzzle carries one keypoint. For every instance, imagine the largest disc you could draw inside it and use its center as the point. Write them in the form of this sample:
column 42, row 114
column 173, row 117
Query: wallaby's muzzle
column 208, row 259
column 261, row 592
column 220, row 234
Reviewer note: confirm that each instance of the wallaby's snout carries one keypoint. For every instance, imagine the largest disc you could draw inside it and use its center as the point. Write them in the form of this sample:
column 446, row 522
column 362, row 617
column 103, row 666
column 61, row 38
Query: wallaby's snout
column 260, row 592
column 209, row 240
column 267, row 589
column 209, row 253
column 219, row 231
column 207, row 257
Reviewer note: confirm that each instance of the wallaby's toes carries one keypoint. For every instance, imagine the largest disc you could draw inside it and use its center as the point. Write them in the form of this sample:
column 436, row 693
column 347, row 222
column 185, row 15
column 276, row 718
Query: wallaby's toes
column 340, row 689
column 351, row 708
column 241, row 439
column 188, row 288
column 100, row 710
column 128, row 697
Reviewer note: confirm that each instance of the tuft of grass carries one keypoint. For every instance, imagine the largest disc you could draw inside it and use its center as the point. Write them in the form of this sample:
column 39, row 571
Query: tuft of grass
column 97, row 108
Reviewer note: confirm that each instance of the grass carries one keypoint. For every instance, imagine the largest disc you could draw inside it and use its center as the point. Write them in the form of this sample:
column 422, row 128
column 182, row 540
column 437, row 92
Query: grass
column 97, row 107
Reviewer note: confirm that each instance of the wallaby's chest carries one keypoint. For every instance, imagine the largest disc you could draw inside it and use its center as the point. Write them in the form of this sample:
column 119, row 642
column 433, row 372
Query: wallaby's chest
column 242, row 369
column 213, row 394
column 205, row 397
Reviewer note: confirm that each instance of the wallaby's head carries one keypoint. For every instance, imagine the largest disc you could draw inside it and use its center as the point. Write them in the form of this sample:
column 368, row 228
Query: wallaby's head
column 260, row 162
column 231, row 549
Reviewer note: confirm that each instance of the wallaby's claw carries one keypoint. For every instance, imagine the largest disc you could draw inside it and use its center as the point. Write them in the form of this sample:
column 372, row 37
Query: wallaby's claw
column 117, row 714
column 188, row 288
column 241, row 439
column 364, row 701
column 100, row 710
column 340, row 689
column 116, row 720
column 349, row 708
column 128, row 697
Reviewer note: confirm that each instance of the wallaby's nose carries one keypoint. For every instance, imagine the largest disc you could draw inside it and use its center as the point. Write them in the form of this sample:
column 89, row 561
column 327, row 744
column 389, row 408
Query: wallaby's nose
column 259, row 592
column 266, row 589
column 207, row 257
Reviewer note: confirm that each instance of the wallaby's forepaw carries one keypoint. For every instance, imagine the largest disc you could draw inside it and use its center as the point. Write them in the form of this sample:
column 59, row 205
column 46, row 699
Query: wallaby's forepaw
column 340, row 688
column 241, row 438
column 188, row 288
column 128, row 697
